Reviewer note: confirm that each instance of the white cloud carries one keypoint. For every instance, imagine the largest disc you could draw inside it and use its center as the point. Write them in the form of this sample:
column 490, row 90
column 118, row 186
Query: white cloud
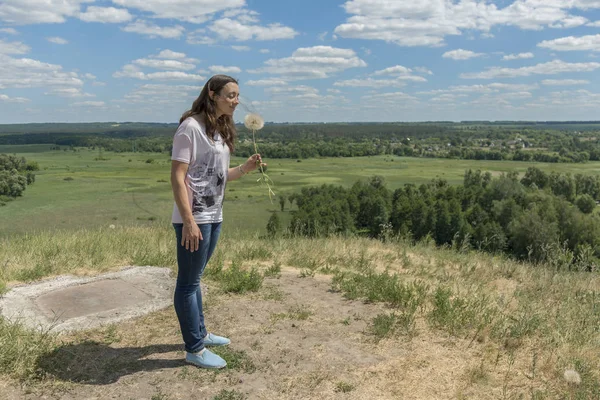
column 570, row 22
column 423, row 70
column 230, row 29
column 428, row 22
column 520, row 56
column 169, row 54
column 495, row 87
column 395, row 70
column 13, row 47
column 29, row 73
column 517, row 87
column 393, row 98
column 193, row 11
column 322, row 36
column 220, row 69
column 131, row 71
column 152, row 93
column 93, row 80
column 199, row 36
column 241, row 48
column 266, row 82
column 370, row 82
column 264, row 51
column 154, row 31
column 268, row 104
column 8, row 99
column 401, row 73
column 171, row 65
column 300, row 89
column 312, row 63
column 105, row 15
column 303, row 97
column 460, row 54
column 549, row 68
column 447, row 97
column 564, row 82
column 172, row 76
column 595, row 24
column 23, row 12
column 569, row 99
column 69, row 92
column 516, row 95
column 334, row 91
column 57, row 40
column 236, row 12
column 9, row 31
column 89, row 104
column 573, row 43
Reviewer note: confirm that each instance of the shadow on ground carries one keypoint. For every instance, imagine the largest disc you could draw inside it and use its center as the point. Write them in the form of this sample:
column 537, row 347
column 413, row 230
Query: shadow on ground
column 96, row 363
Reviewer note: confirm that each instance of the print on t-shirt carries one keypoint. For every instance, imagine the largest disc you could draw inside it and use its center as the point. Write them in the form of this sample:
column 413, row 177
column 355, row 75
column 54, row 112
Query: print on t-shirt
column 213, row 176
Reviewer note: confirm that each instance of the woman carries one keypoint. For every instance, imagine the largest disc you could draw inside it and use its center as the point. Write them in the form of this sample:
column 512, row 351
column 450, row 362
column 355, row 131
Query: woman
column 199, row 173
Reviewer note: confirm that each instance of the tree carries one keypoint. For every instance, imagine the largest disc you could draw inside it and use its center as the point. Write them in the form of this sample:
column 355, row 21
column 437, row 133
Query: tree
column 443, row 231
column 282, row 201
column 15, row 174
column 535, row 176
column 530, row 235
column 273, row 225
column 12, row 184
column 563, row 185
column 585, row 203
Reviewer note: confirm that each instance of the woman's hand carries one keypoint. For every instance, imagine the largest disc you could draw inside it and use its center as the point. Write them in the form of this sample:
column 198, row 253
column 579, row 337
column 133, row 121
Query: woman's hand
column 253, row 162
column 191, row 237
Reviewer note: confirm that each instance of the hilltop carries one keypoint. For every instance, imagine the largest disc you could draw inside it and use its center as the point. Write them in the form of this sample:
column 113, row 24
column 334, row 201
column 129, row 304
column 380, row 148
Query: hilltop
column 348, row 318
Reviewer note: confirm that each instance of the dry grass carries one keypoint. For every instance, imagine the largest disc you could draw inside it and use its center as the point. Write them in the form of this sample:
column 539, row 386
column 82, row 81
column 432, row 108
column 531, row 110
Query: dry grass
column 484, row 327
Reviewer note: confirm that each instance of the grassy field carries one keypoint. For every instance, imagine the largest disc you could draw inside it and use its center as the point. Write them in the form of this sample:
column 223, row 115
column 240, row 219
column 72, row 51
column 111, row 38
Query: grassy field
column 75, row 190
column 336, row 318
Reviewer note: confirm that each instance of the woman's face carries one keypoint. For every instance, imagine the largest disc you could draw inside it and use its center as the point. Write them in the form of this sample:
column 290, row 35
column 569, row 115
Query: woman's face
column 228, row 99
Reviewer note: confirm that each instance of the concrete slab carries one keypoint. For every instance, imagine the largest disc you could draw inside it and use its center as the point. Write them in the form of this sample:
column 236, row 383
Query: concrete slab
column 69, row 303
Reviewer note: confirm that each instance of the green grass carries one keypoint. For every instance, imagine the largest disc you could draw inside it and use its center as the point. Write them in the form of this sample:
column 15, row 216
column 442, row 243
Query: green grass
column 235, row 279
column 374, row 287
column 30, row 257
column 25, row 148
column 229, row 395
column 383, row 325
column 274, row 271
column 236, row 359
column 121, row 192
column 457, row 314
column 344, row 387
column 20, row 349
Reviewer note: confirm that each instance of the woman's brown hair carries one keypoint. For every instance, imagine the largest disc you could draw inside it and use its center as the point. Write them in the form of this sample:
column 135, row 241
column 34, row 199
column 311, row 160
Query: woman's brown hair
column 205, row 107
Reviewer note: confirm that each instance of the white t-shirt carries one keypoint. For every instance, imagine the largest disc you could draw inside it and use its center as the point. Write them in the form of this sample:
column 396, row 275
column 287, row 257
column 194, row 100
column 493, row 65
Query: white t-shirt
column 206, row 177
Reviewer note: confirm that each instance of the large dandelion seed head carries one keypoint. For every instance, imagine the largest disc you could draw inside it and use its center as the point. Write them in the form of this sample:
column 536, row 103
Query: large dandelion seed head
column 572, row 376
column 254, row 122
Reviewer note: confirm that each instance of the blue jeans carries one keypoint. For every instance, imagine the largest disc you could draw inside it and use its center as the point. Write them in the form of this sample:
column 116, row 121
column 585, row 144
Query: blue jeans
column 188, row 296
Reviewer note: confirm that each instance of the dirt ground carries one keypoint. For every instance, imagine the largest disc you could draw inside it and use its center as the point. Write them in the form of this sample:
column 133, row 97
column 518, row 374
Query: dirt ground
column 294, row 339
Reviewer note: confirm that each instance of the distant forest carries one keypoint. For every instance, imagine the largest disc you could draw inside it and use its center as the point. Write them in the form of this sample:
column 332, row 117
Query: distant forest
column 547, row 218
column 567, row 141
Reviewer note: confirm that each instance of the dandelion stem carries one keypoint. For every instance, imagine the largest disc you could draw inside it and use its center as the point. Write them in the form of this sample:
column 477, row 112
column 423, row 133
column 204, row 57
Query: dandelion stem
column 264, row 179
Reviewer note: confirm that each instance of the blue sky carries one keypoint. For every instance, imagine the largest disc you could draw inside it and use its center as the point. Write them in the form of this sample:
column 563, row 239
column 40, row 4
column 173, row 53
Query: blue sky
column 325, row 61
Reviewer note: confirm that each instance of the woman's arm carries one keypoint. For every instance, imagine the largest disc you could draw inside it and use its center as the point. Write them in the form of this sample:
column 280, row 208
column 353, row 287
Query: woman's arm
column 191, row 233
column 250, row 165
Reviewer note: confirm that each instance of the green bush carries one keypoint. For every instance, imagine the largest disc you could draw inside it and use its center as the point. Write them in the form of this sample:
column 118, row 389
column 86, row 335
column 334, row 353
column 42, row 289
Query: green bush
column 586, row 203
